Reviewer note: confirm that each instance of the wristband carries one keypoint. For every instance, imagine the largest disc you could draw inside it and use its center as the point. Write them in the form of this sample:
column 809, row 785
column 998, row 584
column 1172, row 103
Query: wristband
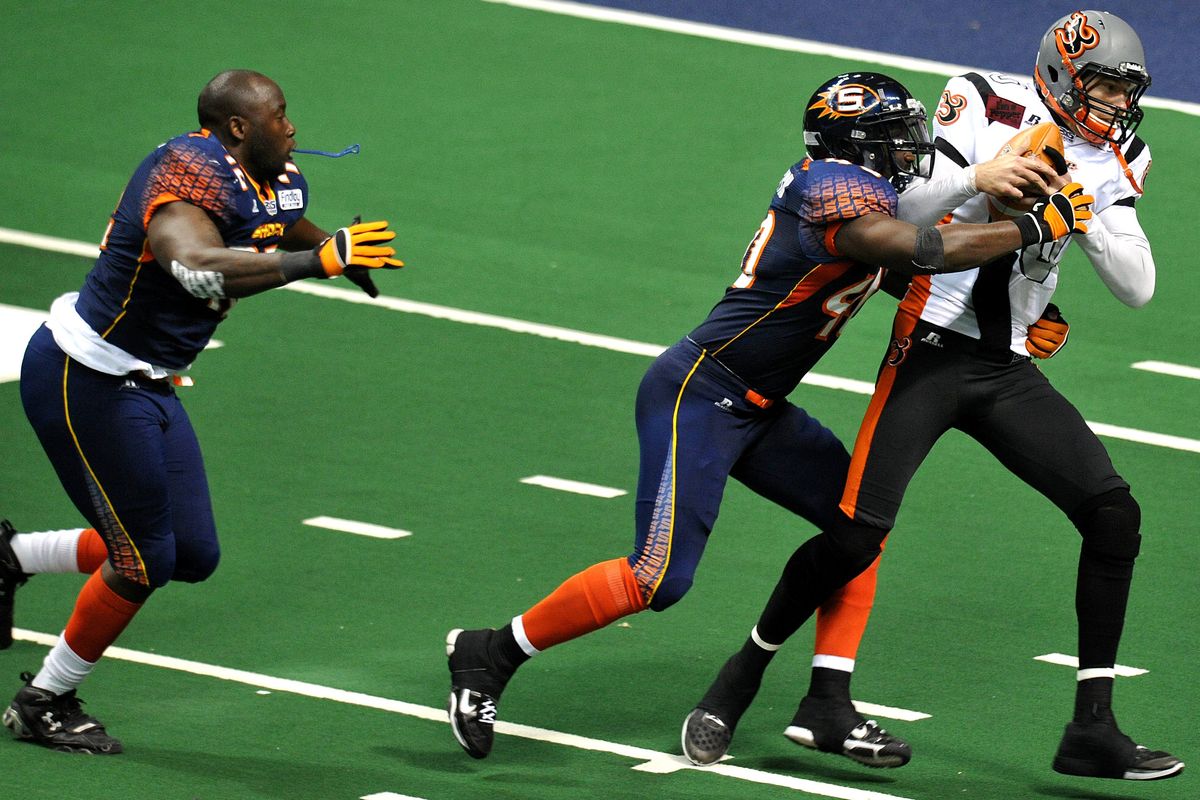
column 297, row 266
column 1031, row 231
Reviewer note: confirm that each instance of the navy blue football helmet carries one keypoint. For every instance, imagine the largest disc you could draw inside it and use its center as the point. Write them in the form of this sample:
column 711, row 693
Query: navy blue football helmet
column 871, row 120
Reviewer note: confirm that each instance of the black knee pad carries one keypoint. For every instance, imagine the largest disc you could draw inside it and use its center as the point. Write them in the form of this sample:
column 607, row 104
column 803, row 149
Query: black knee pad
column 1109, row 524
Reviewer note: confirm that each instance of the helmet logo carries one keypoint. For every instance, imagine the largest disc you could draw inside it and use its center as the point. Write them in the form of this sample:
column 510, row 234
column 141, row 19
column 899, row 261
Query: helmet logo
column 848, row 100
column 1076, row 36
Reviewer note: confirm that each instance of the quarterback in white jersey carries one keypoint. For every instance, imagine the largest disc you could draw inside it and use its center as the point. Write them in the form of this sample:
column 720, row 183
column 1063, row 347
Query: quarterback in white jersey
column 977, row 115
column 959, row 360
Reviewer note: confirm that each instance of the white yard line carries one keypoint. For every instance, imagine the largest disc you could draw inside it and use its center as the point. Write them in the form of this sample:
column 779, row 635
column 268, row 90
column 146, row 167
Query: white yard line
column 1167, row 368
column 356, row 527
column 1064, row 660
column 576, row 487
column 613, row 343
column 640, row 754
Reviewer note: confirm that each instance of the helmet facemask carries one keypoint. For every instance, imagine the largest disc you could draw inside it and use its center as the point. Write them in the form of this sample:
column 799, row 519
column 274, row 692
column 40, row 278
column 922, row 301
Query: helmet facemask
column 897, row 145
column 1104, row 120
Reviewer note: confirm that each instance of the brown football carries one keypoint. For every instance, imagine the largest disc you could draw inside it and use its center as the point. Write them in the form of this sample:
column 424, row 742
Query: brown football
column 1032, row 142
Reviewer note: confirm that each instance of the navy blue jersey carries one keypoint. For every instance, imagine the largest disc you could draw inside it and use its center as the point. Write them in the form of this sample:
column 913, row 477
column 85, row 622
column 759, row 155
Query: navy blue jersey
column 129, row 298
column 796, row 291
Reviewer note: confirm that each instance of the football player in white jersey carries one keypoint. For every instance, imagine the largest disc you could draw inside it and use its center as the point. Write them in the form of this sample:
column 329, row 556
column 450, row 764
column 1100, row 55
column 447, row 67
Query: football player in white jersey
column 959, row 358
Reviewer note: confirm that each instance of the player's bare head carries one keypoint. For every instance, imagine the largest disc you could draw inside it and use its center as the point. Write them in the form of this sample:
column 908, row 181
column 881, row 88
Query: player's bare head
column 246, row 110
column 234, row 93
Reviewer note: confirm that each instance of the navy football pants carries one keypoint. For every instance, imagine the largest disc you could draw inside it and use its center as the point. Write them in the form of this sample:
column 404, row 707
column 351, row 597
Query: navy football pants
column 695, row 429
column 128, row 458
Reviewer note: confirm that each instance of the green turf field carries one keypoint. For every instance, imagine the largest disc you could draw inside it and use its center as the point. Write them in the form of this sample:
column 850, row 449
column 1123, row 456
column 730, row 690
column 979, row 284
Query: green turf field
column 603, row 179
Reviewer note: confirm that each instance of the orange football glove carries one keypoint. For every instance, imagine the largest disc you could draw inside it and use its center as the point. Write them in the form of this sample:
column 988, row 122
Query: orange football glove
column 358, row 246
column 1048, row 335
column 1062, row 213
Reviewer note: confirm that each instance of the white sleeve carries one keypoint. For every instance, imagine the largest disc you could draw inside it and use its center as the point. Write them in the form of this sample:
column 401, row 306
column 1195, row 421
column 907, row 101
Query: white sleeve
column 1120, row 254
column 925, row 203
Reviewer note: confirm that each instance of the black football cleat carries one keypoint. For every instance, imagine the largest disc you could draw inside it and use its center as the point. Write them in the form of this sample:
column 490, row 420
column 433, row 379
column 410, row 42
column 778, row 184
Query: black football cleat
column 708, row 729
column 11, row 577
column 476, row 682
column 706, row 737
column 1100, row 750
column 56, row 721
column 833, row 726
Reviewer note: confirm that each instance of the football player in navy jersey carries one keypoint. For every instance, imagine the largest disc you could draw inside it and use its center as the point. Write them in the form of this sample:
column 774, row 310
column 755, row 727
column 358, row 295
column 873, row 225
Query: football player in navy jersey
column 208, row 217
column 971, row 331
column 714, row 404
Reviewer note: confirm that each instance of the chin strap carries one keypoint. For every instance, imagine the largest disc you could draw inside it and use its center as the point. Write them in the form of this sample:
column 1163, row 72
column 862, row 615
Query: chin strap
column 1125, row 168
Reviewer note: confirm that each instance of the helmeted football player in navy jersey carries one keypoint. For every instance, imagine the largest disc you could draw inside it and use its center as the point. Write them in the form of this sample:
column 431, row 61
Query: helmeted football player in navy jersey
column 959, row 358
column 714, row 405
column 208, row 217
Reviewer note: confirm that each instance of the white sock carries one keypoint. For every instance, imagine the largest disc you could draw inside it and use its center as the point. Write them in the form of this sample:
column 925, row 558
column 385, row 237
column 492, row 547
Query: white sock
column 48, row 551
column 518, row 626
column 62, row 670
column 833, row 662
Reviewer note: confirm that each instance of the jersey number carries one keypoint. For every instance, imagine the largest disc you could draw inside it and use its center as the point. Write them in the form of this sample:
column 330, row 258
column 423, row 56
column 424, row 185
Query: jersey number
column 754, row 251
column 845, row 304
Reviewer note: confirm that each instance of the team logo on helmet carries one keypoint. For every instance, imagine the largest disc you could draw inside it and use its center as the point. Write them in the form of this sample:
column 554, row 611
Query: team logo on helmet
column 1076, row 36
column 847, row 100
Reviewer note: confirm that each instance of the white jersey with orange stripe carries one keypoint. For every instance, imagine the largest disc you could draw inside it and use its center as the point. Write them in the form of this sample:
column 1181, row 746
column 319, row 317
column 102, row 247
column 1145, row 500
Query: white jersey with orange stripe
column 977, row 115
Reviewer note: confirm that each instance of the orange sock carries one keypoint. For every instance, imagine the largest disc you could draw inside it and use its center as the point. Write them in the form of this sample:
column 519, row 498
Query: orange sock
column 99, row 617
column 91, row 552
column 585, row 602
column 842, row 619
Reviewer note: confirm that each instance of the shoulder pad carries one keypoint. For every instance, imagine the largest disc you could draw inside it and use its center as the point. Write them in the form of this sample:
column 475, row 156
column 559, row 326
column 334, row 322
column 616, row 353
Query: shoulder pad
column 838, row 190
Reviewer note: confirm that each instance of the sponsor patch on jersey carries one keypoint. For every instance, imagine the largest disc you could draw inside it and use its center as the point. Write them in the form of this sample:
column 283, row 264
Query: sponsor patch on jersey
column 291, row 199
column 1001, row 109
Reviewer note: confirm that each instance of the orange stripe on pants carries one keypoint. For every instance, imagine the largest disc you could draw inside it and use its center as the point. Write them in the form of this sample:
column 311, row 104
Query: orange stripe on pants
column 902, row 328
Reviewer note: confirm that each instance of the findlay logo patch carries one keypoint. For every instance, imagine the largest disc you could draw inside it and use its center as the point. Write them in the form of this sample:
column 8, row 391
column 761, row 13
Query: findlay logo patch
column 291, row 199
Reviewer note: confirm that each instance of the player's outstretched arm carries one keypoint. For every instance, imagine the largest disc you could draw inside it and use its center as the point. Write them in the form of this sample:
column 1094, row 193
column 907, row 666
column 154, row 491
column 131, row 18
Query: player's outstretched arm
column 188, row 245
column 880, row 239
column 1008, row 178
